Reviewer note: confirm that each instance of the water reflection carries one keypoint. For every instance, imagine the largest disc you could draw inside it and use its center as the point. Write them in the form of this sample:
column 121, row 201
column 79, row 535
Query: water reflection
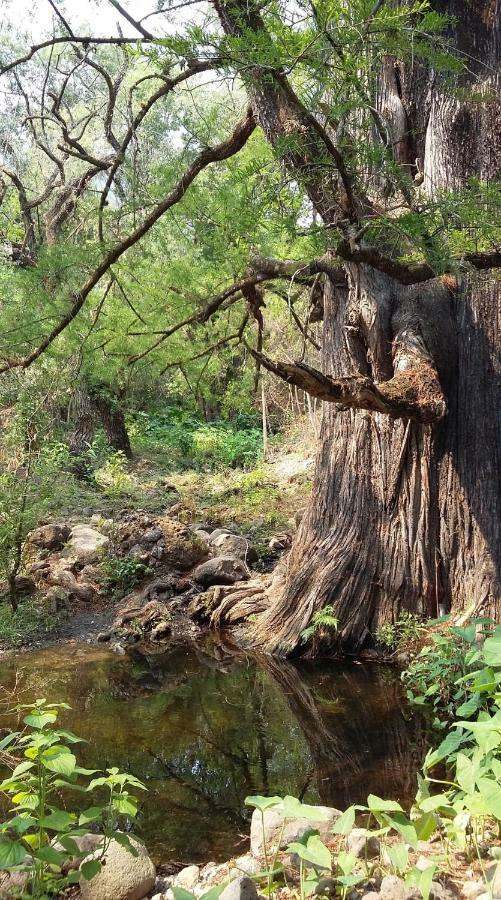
column 204, row 725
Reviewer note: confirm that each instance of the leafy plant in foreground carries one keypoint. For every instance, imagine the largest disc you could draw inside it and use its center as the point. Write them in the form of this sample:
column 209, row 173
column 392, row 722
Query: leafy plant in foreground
column 453, row 676
column 39, row 837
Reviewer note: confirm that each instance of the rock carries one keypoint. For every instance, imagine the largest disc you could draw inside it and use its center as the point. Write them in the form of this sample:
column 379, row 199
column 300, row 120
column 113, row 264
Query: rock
column 152, row 536
column 123, row 877
column 160, row 631
column 86, row 844
column 371, row 895
column 56, row 599
column 202, row 534
column 86, row 544
column 87, row 512
column 217, row 533
column 234, row 545
column 493, row 874
column 280, row 542
column 50, row 537
column 247, row 864
column 293, row 830
column 182, row 547
column 392, row 888
column 441, row 892
column 187, row 878
column 214, row 873
column 242, row 888
column 220, row 570
column 362, row 845
column 472, row 889
column 326, row 887
column 139, row 553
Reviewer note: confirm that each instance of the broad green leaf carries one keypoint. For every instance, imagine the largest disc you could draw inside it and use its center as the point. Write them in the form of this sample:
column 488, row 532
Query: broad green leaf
column 215, row 891
column 40, row 720
column 465, row 773
column 292, row 808
column 469, row 707
column 400, row 823
column 90, row 814
column 377, row 804
column 21, row 823
column 58, row 759
column 398, row 856
column 492, row 649
column 23, row 767
column 182, row 894
column 425, row 825
column 314, row 852
column 90, row 868
column 125, row 804
column 345, row 823
column 125, row 841
column 491, row 794
column 350, row 880
column 58, row 820
column 448, row 746
column 12, row 853
column 51, row 855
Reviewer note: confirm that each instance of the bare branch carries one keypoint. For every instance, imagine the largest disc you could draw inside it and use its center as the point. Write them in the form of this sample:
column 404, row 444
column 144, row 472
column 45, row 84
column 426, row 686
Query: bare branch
column 86, row 40
column 220, row 152
column 411, row 394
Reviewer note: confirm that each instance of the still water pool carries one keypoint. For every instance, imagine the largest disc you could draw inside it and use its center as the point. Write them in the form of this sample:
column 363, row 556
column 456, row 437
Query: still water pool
column 204, row 726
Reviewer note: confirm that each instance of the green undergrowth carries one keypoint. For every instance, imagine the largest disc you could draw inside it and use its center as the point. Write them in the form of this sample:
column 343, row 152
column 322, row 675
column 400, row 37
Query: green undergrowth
column 32, row 620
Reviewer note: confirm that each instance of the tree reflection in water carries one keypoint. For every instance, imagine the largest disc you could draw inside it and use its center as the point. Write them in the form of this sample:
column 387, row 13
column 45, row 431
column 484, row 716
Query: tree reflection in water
column 205, row 725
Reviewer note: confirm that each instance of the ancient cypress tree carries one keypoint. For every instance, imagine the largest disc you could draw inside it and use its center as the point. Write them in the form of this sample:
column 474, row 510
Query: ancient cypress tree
column 406, row 504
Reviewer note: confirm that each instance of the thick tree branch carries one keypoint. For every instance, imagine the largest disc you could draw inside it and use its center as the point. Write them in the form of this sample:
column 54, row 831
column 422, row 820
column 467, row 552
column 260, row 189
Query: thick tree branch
column 220, row 152
column 414, row 393
column 415, row 273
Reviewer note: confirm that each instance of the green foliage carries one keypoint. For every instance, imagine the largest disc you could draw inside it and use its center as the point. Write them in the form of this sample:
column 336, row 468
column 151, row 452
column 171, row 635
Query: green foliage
column 322, row 621
column 114, row 477
column 30, row 620
column 38, row 837
column 197, row 444
column 408, row 627
column 122, row 573
column 452, row 676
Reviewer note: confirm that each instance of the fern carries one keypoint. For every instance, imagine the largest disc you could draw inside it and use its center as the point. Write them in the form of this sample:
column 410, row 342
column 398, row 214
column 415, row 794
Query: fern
column 322, row 619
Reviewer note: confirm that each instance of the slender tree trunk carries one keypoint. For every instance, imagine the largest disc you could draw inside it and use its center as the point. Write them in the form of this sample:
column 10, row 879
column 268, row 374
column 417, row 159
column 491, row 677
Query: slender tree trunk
column 406, row 503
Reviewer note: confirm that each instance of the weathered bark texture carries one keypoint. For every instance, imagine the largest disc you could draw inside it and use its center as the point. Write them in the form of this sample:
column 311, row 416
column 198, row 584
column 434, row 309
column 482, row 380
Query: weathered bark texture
column 113, row 422
column 83, row 431
column 406, row 505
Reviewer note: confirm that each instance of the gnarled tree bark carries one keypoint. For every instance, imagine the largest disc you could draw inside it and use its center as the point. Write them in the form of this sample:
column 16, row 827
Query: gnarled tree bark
column 406, row 502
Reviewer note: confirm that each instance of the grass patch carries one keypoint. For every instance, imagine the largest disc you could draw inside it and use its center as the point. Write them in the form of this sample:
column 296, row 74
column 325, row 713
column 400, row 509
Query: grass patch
column 31, row 620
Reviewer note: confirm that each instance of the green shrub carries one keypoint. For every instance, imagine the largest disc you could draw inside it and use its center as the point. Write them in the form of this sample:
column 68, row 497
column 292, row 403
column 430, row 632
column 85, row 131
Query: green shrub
column 122, row 573
column 38, row 837
column 408, row 627
column 453, row 677
column 194, row 443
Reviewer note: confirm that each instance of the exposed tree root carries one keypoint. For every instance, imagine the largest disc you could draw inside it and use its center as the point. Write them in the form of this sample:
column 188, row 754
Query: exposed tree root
column 235, row 604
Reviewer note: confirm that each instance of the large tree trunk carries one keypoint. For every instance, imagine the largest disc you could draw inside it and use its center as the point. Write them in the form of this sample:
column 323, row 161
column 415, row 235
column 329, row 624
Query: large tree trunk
column 406, row 505
column 113, row 421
